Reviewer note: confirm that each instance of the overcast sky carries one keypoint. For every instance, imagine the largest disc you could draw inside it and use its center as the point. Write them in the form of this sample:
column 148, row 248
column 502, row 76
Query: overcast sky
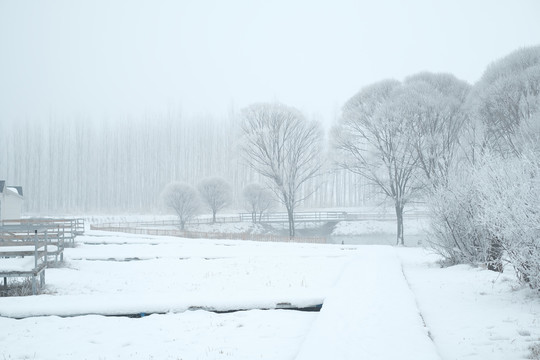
column 100, row 58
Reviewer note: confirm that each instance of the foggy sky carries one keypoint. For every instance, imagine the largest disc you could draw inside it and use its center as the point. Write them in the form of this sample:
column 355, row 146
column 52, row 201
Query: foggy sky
column 104, row 59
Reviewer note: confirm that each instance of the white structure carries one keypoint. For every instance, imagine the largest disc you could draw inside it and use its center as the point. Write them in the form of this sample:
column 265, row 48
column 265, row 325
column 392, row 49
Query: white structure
column 11, row 200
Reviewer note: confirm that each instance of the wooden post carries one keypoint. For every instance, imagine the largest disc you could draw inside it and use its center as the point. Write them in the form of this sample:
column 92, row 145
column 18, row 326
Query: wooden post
column 35, row 250
column 46, row 252
column 34, row 285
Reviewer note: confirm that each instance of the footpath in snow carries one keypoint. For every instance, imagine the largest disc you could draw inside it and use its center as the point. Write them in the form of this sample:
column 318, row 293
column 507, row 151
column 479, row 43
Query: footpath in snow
column 370, row 314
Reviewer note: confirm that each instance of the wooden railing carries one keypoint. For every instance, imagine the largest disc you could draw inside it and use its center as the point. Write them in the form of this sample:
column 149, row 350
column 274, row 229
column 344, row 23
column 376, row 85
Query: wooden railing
column 16, row 246
column 67, row 229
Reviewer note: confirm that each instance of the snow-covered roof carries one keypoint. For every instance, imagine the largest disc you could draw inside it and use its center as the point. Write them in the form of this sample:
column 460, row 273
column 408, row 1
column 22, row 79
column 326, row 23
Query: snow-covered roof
column 14, row 190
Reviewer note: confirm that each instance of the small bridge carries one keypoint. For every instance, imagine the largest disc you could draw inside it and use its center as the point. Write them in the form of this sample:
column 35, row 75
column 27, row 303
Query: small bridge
column 308, row 216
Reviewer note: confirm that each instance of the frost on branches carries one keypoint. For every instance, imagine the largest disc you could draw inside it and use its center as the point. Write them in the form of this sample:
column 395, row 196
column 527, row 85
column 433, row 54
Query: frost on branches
column 491, row 215
column 489, row 211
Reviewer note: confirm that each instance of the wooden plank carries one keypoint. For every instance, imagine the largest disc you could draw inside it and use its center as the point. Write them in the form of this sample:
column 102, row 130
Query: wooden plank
column 33, row 272
column 11, row 254
column 28, row 243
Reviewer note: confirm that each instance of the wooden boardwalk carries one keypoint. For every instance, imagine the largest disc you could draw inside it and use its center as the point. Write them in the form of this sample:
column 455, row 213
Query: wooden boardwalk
column 28, row 246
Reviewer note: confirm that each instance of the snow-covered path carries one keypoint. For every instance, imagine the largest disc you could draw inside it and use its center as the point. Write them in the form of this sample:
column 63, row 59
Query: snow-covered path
column 370, row 314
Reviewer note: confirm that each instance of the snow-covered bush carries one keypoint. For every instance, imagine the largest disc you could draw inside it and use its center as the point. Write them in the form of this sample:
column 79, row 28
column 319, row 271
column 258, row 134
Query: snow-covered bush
column 491, row 213
column 454, row 230
column 257, row 200
column 183, row 199
column 216, row 194
column 511, row 211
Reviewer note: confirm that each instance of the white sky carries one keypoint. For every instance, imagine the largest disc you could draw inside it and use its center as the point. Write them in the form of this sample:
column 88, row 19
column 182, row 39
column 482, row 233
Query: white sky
column 100, row 58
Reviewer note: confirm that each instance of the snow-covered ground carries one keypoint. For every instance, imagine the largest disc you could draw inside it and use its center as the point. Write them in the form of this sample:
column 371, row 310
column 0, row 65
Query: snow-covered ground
column 380, row 302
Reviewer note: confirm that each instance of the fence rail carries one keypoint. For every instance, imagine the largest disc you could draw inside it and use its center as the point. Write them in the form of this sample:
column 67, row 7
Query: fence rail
column 126, row 228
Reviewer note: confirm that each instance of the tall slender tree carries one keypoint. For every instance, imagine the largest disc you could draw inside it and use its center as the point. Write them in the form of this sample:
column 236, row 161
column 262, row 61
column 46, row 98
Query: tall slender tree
column 284, row 147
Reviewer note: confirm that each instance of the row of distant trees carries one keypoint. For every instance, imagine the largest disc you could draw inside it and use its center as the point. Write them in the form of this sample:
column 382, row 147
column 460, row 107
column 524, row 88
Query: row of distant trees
column 76, row 164
column 215, row 194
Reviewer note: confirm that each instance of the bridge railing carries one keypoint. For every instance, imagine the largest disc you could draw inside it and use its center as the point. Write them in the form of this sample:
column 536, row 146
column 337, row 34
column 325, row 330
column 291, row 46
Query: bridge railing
column 304, row 216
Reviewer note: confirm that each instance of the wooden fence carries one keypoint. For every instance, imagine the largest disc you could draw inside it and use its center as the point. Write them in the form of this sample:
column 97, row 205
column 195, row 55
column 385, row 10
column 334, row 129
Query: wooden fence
column 24, row 252
column 129, row 228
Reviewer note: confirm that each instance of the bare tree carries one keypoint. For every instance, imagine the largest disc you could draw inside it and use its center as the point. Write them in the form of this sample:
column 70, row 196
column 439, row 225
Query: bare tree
column 183, row 199
column 216, row 194
column 257, row 200
column 283, row 146
column 373, row 139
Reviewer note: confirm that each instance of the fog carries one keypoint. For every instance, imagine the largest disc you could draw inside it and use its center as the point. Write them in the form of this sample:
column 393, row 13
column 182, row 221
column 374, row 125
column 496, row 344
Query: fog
column 103, row 103
column 103, row 59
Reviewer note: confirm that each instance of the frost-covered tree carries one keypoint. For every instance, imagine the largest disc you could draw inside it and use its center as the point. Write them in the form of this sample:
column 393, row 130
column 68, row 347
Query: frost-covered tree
column 455, row 232
column 373, row 139
column 284, row 147
column 436, row 112
column 511, row 210
column 183, row 199
column 257, row 200
column 506, row 102
column 493, row 217
column 216, row 193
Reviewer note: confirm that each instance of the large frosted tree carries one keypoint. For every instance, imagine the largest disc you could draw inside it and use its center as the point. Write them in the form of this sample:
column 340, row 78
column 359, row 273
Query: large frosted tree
column 373, row 139
column 506, row 102
column 435, row 110
column 284, row 147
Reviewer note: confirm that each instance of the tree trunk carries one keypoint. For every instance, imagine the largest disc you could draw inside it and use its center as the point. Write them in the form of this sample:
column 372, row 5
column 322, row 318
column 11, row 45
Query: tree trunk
column 213, row 216
column 182, row 224
column 400, row 241
column 290, row 213
column 495, row 251
column 254, row 217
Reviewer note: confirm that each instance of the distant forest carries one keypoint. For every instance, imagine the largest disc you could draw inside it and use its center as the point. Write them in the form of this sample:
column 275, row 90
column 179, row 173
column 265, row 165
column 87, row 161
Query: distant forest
column 78, row 165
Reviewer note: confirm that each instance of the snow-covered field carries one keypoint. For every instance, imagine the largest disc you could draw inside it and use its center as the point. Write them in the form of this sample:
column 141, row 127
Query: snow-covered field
column 380, row 302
